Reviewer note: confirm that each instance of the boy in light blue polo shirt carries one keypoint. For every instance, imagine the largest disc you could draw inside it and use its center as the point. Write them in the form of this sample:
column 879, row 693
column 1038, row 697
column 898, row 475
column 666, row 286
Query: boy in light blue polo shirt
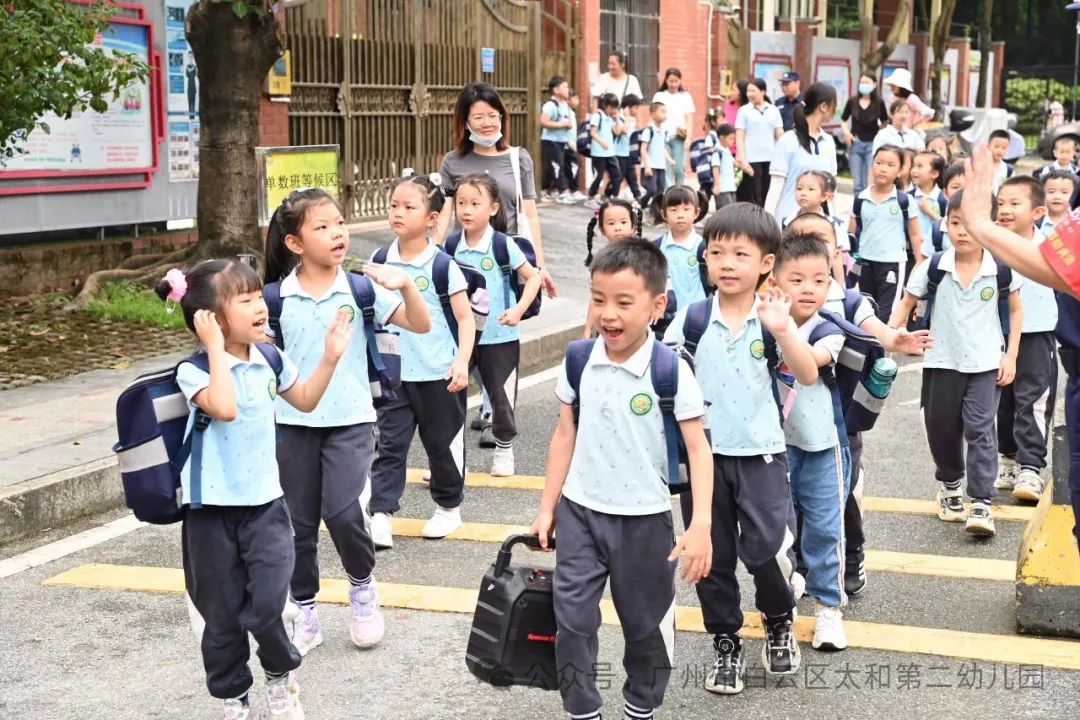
column 654, row 154
column 604, row 126
column 1026, row 410
column 752, row 512
column 963, row 371
column 723, row 167
column 609, row 462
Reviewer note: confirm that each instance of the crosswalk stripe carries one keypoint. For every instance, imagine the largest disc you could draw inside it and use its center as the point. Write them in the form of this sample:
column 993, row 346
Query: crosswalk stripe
column 876, row 560
column 983, row 647
column 905, row 506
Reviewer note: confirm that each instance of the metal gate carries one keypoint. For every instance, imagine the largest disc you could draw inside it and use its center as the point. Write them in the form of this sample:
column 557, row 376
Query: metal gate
column 380, row 78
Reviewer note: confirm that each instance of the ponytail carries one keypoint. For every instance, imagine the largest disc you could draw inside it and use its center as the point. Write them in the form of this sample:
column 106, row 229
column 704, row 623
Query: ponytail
column 590, row 236
column 815, row 96
column 287, row 220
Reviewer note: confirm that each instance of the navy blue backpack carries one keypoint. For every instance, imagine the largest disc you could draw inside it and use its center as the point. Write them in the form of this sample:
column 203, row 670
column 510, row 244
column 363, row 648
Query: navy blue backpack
column 154, row 445
column 383, row 357
column 584, row 140
column 934, row 276
column 512, row 285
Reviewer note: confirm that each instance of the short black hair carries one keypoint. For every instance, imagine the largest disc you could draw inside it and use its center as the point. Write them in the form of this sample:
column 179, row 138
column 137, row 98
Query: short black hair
column 1060, row 175
column 635, row 254
column 631, row 101
column 999, row 134
column 608, row 100
column 796, row 226
column 724, row 129
column 744, row 219
column 675, row 196
column 655, row 106
column 1036, row 191
column 957, row 200
column 1064, row 138
column 957, row 168
column 800, row 245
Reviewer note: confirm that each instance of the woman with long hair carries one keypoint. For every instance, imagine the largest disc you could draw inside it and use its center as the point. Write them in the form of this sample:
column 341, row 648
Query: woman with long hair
column 680, row 118
column 758, row 125
column 805, row 147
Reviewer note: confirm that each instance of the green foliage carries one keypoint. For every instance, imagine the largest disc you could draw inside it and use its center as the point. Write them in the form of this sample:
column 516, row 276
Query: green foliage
column 1027, row 97
column 125, row 300
column 49, row 64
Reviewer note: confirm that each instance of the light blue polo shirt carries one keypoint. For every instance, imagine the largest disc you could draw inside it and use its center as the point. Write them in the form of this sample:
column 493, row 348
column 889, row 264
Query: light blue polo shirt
column 735, row 380
column 723, row 159
column 926, row 223
column 304, row 322
column 239, row 458
column 883, row 238
column 790, row 160
column 683, row 267
column 622, row 142
column 964, row 324
column 760, row 125
column 426, row 357
column 928, row 239
column 889, row 135
column 655, row 140
column 556, row 111
column 620, row 457
column 1039, row 302
column 810, row 425
column 605, row 128
column 482, row 257
column 1047, row 226
column 834, row 303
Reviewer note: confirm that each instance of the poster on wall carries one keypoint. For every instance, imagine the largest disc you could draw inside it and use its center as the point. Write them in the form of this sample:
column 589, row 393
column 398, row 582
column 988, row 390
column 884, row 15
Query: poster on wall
column 121, row 138
column 835, row 71
column 769, row 68
column 182, row 94
column 183, row 149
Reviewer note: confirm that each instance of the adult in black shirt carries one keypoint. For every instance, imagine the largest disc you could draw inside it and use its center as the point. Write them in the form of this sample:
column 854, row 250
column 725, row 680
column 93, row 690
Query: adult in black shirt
column 789, row 83
column 863, row 116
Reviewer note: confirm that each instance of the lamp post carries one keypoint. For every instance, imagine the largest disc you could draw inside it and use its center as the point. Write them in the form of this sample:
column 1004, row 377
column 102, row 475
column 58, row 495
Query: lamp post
column 1075, row 7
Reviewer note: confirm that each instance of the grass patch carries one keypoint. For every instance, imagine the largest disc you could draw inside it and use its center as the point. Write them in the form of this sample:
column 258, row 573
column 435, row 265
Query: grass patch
column 125, row 300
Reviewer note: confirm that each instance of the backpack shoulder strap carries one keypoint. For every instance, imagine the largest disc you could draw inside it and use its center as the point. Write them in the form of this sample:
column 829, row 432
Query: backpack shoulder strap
column 363, row 293
column 934, row 274
column 856, row 210
column 450, row 244
column 273, row 358
column 501, row 251
column 381, row 255
column 1004, row 280
column 937, row 238
column 696, row 321
column 577, row 357
column 942, row 203
column 852, row 300
column 272, row 297
column 904, row 201
column 440, row 278
column 665, row 382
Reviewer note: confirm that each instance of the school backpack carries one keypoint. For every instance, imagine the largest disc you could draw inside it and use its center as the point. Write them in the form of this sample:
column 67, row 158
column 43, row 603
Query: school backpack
column 700, row 155
column 664, row 371
column 902, row 199
column 512, row 285
column 383, row 356
column 934, row 276
column 154, row 443
column 635, row 148
column 584, row 140
column 703, row 270
column 937, row 238
column 475, row 290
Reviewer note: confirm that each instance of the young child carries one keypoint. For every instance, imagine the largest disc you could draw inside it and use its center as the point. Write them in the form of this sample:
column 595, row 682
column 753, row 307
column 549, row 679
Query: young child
column 573, row 162
column 752, row 516
column 609, row 462
column 498, row 352
column 557, row 129
column 879, row 228
column 1064, row 159
column 1059, row 187
column 814, row 189
column 654, row 154
column 623, row 150
column 940, row 144
column 963, row 371
column 999, row 146
column 325, row 456
column 863, row 314
column 237, row 543
column 617, row 220
column 604, row 126
column 905, row 181
column 723, row 167
column 898, row 132
column 818, row 455
column 680, row 207
column 938, row 239
column 434, row 373
column 927, row 177
column 1026, row 410
column 707, row 145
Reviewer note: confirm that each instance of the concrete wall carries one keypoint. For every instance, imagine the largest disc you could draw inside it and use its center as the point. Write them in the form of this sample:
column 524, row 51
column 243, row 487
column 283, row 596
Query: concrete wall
column 769, row 50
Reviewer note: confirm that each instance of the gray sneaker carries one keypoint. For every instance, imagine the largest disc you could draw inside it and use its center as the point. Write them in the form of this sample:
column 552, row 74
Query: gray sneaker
column 1007, row 472
column 1029, row 486
column 950, row 505
column 979, row 521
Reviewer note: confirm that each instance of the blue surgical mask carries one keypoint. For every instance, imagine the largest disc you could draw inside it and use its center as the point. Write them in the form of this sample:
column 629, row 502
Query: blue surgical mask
column 485, row 141
column 865, row 88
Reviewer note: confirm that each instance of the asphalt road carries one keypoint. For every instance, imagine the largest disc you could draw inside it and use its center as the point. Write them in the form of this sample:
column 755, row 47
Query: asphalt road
column 78, row 652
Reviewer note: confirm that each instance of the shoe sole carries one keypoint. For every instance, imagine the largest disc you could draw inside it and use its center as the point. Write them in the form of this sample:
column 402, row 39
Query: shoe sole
column 366, row 645
column 980, row 530
column 501, row 474
column 439, row 537
column 310, row 646
column 724, row 689
column 855, row 590
column 829, row 647
column 1022, row 493
column 796, row 661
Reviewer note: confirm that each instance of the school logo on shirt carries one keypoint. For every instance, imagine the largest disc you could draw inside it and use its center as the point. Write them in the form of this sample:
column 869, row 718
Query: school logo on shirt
column 641, row 404
column 349, row 310
column 487, row 263
column 692, row 260
column 757, row 349
column 271, row 387
column 422, row 283
column 987, row 293
column 894, row 210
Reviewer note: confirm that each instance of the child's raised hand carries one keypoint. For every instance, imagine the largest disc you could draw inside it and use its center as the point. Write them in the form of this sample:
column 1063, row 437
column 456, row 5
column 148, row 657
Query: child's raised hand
column 208, row 330
column 913, row 343
column 458, row 375
column 924, row 205
column 774, row 310
column 337, row 336
column 388, row 276
column 978, row 187
column 510, row 317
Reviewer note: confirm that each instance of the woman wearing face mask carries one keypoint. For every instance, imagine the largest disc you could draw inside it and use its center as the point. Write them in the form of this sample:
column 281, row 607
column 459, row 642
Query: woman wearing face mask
column 482, row 145
column 864, row 115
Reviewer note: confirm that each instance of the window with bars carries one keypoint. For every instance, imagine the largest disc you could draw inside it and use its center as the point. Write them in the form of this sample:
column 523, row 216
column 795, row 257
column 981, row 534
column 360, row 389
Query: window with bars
column 633, row 27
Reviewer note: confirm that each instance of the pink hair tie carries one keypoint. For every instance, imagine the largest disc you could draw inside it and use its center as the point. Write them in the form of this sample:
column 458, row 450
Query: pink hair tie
column 177, row 285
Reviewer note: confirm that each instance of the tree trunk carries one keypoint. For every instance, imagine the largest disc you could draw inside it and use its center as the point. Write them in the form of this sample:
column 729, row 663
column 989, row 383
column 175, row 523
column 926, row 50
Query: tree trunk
column 985, row 22
column 233, row 56
column 939, row 41
column 873, row 58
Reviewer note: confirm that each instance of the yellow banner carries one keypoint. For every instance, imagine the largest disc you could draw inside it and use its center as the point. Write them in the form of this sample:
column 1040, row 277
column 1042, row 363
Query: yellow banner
column 285, row 169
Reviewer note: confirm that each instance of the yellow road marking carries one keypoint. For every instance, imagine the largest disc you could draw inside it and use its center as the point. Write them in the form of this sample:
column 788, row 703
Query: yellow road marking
column 983, row 647
column 906, row 506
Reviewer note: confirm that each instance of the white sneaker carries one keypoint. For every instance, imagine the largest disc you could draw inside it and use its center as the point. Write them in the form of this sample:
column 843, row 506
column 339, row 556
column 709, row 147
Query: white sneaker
column 979, row 521
column 308, row 631
column 1029, row 486
column 235, row 709
column 1007, row 472
column 798, row 585
column 502, row 462
column 382, row 531
column 443, row 522
column 950, row 505
column 829, row 629
column 567, row 199
column 579, row 196
column 283, row 698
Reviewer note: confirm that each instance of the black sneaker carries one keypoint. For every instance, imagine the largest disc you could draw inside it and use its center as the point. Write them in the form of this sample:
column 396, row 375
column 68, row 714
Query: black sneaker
column 726, row 675
column 481, row 420
column 854, row 578
column 487, row 437
column 781, row 653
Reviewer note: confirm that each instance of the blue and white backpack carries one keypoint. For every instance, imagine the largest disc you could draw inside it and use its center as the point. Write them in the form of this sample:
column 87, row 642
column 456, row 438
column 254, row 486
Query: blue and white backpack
column 512, row 285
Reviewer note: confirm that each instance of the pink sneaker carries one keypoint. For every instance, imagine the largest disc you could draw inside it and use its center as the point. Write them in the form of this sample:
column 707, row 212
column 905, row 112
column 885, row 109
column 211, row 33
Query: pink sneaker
column 307, row 632
column 367, row 627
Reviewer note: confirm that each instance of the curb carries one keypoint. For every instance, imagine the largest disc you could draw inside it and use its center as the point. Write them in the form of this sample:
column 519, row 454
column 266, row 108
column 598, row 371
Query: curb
column 62, row 497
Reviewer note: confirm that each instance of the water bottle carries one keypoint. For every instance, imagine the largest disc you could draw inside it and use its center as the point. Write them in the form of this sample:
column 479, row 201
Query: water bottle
column 880, row 380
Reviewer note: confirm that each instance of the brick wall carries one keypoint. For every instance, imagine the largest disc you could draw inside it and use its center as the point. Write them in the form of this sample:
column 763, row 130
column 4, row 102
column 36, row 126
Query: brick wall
column 684, row 35
column 273, row 122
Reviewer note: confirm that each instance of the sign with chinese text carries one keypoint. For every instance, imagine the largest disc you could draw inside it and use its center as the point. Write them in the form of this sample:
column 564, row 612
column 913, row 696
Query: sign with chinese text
column 285, row 169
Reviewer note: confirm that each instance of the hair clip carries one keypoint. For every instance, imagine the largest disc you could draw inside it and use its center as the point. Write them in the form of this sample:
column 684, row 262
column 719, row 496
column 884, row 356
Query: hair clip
column 596, row 212
column 177, row 288
column 435, row 178
column 408, row 172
